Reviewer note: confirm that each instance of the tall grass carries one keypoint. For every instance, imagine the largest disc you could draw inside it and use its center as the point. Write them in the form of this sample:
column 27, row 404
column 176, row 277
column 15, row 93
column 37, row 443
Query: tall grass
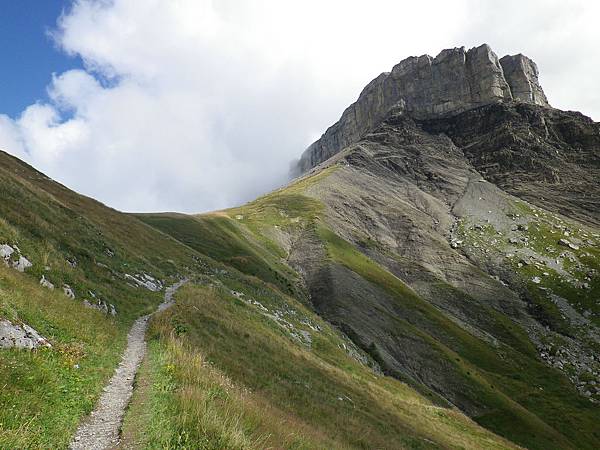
column 220, row 376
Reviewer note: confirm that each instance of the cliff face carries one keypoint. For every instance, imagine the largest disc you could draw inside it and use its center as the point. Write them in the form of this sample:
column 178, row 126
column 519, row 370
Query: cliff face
column 453, row 236
column 455, row 81
column 521, row 73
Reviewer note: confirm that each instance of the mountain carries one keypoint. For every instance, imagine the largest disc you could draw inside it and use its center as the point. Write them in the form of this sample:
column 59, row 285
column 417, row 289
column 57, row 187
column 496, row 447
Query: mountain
column 241, row 361
column 74, row 274
column 448, row 225
column 428, row 280
column 454, row 81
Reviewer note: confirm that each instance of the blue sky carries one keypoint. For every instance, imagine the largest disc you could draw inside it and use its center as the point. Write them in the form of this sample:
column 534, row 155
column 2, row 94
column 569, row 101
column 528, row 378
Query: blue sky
column 28, row 54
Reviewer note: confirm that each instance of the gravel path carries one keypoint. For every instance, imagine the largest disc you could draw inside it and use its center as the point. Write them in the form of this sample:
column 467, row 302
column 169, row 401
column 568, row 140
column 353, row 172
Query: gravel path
column 101, row 429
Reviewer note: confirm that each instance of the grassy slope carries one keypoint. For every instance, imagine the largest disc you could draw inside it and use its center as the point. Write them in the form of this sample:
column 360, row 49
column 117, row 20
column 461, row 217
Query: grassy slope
column 239, row 404
column 525, row 395
column 43, row 393
column 222, row 372
column 529, row 402
column 224, row 240
column 208, row 378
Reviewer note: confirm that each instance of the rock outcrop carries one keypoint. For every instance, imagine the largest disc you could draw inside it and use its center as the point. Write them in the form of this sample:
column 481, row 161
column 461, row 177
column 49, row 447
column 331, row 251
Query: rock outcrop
column 146, row 281
column 543, row 155
column 11, row 255
column 20, row 336
column 521, row 73
column 44, row 282
column 68, row 291
column 454, row 81
column 102, row 306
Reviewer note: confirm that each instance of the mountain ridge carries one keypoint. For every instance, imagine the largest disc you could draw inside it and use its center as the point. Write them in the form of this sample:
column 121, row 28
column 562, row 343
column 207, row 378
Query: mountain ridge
column 434, row 282
column 424, row 87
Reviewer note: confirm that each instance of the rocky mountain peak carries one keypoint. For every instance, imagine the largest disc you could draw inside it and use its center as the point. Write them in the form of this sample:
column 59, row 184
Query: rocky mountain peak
column 521, row 73
column 424, row 87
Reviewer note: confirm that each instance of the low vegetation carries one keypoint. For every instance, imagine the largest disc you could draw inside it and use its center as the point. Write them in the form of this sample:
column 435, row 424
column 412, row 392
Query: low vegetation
column 73, row 241
column 515, row 386
column 205, row 383
column 242, row 361
column 45, row 392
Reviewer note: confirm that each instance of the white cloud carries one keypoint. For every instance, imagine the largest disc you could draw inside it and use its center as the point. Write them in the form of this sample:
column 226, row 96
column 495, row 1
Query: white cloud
column 10, row 137
column 562, row 37
column 193, row 105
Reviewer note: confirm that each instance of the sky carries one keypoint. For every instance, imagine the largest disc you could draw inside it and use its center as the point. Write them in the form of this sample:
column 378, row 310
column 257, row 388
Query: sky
column 198, row 105
column 28, row 55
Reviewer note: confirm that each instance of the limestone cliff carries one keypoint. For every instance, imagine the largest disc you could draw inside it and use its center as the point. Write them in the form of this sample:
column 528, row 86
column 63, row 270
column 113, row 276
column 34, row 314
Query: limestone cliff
column 521, row 73
column 454, row 81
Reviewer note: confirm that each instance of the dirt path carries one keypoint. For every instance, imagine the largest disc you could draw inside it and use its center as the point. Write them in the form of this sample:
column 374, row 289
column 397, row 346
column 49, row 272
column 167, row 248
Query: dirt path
column 101, row 429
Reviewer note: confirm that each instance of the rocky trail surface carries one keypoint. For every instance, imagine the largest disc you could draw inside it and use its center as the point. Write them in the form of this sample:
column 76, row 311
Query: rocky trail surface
column 101, row 429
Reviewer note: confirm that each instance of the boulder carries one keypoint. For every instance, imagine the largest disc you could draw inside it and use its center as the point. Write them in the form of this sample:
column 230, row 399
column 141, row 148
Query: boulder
column 20, row 336
column 567, row 243
column 101, row 306
column 45, row 283
column 21, row 264
column 6, row 251
column 145, row 281
column 68, row 291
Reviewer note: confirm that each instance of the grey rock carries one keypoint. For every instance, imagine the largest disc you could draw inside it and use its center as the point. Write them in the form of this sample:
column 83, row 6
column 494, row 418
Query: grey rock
column 521, row 73
column 68, row 291
column 423, row 87
column 101, row 306
column 18, row 336
column 145, row 281
column 45, row 283
column 6, row 251
column 456, row 243
column 567, row 243
column 22, row 263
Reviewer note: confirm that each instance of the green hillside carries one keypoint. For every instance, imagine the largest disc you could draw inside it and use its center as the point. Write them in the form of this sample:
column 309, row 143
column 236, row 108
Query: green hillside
column 241, row 361
column 76, row 241
column 515, row 394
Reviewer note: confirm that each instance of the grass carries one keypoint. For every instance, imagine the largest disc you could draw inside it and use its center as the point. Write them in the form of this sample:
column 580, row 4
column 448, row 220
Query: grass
column 511, row 381
column 241, row 361
column 246, row 237
column 223, row 239
column 45, row 392
column 74, row 240
column 319, row 397
column 55, row 227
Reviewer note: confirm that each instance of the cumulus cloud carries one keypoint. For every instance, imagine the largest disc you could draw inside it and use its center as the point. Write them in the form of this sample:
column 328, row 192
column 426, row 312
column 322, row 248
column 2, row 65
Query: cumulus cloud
column 193, row 105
